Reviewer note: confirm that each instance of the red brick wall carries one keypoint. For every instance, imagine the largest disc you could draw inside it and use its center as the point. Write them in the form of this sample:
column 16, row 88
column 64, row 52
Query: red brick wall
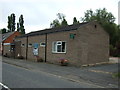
column 11, row 38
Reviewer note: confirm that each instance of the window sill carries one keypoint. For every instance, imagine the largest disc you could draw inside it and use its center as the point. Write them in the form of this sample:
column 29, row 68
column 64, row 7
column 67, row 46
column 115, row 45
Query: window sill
column 58, row 52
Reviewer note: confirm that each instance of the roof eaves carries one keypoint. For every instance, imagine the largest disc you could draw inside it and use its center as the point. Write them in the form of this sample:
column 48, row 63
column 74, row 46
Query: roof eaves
column 54, row 30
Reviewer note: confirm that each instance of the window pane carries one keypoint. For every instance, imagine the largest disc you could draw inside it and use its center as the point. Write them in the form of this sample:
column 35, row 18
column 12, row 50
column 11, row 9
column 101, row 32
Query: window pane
column 54, row 46
column 63, row 46
column 59, row 46
column 59, row 49
column 42, row 44
column 59, row 43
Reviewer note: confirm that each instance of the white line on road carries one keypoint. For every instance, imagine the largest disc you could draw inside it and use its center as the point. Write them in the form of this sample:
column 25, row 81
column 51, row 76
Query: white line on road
column 4, row 86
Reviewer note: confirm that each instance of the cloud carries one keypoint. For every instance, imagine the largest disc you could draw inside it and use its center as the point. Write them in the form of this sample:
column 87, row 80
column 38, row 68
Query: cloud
column 39, row 13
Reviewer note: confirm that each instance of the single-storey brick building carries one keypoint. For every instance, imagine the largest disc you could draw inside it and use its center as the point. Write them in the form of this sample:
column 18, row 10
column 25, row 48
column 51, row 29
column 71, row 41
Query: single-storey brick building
column 7, row 43
column 84, row 43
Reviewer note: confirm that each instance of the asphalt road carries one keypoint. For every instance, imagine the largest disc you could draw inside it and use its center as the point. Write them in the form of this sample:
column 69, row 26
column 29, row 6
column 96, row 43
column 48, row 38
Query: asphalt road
column 18, row 77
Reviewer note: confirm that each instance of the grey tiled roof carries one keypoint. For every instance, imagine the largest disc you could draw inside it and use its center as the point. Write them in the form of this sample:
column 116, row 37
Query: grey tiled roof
column 5, row 36
column 54, row 30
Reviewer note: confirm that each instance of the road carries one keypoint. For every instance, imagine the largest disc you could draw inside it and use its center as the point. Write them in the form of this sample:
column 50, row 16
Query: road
column 26, row 72
column 18, row 77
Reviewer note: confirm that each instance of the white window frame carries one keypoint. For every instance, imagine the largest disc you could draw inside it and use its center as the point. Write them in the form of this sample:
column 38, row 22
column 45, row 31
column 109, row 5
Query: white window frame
column 30, row 45
column 42, row 45
column 55, row 47
column 22, row 45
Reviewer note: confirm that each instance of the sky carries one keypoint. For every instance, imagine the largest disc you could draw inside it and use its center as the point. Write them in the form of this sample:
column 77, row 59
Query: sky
column 38, row 14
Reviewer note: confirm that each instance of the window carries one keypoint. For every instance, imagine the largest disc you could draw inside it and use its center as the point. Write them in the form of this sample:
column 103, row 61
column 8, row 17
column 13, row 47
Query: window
column 59, row 47
column 95, row 26
column 22, row 45
column 42, row 44
column 29, row 45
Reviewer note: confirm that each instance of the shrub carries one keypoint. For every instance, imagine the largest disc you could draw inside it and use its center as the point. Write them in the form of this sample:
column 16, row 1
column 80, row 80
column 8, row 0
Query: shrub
column 63, row 62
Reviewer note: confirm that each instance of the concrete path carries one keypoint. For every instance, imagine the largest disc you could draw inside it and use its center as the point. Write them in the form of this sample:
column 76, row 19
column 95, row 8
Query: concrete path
column 100, row 75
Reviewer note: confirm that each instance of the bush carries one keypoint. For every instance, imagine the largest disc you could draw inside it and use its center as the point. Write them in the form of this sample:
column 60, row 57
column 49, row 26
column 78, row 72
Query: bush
column 115, row 50
column 63, row 62
column 112, row 50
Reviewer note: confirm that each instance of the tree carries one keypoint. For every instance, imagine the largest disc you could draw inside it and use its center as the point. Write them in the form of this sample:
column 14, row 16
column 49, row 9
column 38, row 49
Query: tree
column 101, row 15
column 75, row 21
column 112, row 29
column 106, row 19
column 64, row 22
column 61, row 21
column 21, row 22
column 11, row 23
column 55, row 23
column 61, row 16
column 18, row 27
column 4, row 30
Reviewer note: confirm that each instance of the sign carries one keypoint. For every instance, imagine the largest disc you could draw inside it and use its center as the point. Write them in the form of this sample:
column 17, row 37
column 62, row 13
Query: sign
column 6, row 44
column 35, row 49
column 72, row 36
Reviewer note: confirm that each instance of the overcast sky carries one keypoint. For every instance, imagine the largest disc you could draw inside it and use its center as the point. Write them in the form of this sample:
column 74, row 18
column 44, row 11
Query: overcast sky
column 38, row 14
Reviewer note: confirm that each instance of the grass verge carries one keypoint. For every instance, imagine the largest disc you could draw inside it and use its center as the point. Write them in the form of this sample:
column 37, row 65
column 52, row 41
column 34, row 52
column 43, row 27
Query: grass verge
column 116, row 75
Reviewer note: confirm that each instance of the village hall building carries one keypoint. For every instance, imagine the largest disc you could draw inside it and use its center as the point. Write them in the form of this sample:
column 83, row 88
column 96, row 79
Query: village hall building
column 7, row 43
column 84, row 43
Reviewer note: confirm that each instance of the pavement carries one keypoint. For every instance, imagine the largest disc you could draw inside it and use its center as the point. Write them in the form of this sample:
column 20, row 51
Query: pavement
column 100, row 75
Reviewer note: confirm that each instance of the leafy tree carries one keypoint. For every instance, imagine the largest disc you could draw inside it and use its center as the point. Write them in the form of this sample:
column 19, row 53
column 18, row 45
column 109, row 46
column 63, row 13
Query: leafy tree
column 11, row 23
column 61, row 16
column 55, row 23
column 118, row 34
column 64, row 22
column 18, row 27
column 21, row 22
column 112, row 29
column 61, row 21
column 75, row 21
column 4, row 30
column 106, row 19
column 101, row 15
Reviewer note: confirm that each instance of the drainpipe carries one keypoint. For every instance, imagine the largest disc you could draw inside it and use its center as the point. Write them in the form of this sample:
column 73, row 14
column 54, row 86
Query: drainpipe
column 14, row 49
column 26, row 48
column 45, row 47
column 2, row 48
